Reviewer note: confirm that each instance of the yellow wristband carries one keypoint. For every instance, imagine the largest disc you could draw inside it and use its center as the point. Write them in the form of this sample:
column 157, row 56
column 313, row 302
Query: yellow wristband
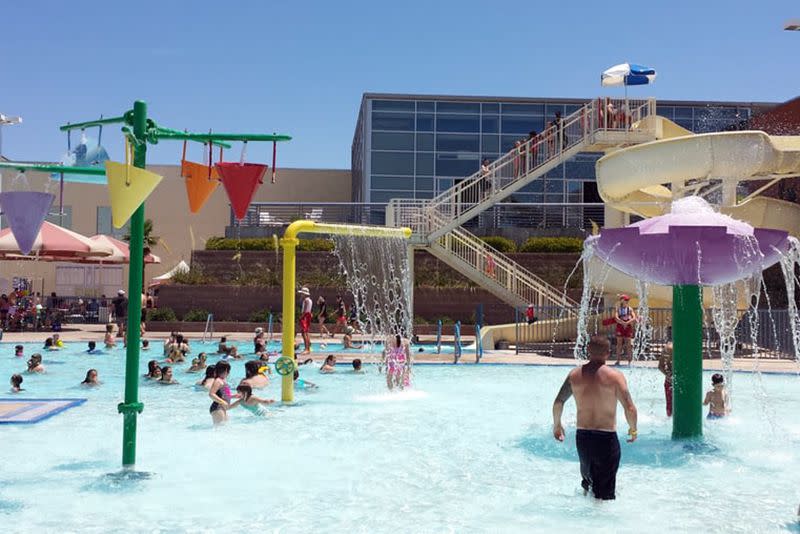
column 631, row 432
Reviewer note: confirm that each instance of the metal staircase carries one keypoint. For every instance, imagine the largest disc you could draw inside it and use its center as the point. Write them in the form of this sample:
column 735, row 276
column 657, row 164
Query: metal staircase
column 598, row 125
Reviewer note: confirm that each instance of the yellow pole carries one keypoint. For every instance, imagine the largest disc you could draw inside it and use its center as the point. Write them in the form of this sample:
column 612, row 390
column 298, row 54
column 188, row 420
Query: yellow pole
column 289, row 244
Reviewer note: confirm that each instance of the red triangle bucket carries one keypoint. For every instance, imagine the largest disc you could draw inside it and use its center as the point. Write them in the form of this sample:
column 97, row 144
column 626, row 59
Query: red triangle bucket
column 25, row 212
column 241, row 181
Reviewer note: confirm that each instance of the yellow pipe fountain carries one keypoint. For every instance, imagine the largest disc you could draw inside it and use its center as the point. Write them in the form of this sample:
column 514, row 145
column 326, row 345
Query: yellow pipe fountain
column 286, row 363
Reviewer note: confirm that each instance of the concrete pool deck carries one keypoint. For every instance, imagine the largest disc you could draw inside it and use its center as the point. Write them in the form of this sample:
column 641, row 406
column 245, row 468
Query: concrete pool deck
column 95, row 332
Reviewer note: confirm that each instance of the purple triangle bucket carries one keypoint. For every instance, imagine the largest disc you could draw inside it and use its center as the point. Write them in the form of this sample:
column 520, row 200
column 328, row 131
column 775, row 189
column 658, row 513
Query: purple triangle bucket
column 25, row 212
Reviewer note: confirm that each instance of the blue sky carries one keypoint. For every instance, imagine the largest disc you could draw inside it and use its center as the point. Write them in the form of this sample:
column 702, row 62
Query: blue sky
column 301, row 67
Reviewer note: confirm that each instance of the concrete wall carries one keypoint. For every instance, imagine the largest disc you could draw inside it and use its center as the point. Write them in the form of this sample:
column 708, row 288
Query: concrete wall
column 168, row 207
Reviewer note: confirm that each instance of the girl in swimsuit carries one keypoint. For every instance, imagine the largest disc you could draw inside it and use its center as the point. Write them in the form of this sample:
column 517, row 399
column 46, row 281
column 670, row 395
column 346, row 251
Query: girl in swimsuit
column 250, row 402
column 211, row 374
column 220, row 393
column 398, row 358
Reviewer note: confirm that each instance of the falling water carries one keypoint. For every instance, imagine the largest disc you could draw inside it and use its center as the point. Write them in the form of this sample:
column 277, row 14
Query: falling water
column 789, row 261
column 725, row 315
column 590, row 301
column 378, row 277
column 644, row 330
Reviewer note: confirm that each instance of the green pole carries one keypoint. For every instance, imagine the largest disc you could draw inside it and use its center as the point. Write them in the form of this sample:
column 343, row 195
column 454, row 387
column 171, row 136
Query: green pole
column 131, row 407
column 687, row 378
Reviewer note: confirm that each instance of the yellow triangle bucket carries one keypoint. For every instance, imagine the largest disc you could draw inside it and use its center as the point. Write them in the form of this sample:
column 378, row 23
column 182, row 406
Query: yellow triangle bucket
column 128, row 188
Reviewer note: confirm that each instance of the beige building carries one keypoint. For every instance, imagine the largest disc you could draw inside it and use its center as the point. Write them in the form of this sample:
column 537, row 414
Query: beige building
column 86, row 211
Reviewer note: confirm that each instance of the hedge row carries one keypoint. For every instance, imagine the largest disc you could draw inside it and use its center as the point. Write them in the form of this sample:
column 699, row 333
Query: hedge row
column 265, row 243
column 552, row 244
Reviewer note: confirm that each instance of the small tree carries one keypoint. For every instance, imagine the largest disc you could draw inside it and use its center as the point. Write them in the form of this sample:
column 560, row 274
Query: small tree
column 148, row 243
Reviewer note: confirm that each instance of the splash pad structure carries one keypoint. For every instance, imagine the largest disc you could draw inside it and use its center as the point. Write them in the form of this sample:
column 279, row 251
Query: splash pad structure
column 286, row 365
column 129, row 186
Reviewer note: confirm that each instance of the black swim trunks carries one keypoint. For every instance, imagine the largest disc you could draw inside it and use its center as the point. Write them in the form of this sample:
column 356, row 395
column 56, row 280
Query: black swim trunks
column 599, row 453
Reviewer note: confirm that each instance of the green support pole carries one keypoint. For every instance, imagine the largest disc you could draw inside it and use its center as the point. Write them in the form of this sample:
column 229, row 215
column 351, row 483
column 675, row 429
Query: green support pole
column 687, row 377
column 131, row 407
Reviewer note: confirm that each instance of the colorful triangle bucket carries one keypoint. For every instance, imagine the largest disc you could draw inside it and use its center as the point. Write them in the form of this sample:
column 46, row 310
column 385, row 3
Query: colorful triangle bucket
column 241, row 180
column 25, row 212
column 128, row 188
column 199, row 186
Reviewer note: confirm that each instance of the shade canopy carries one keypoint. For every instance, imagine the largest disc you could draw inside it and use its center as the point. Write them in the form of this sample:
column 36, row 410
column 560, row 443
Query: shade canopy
column 53, row 240
column 120, row 251
column 627, row 74
column 181, row 267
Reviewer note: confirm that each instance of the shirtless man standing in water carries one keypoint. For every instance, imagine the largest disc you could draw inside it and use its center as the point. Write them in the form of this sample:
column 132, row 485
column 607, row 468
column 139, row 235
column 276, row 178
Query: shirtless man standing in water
column 597, row 388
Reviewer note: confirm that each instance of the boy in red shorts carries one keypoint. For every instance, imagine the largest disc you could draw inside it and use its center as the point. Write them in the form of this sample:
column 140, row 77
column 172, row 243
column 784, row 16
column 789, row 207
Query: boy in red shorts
column 625, row 318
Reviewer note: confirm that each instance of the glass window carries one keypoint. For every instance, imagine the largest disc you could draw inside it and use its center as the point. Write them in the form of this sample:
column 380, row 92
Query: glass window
column 55, row 217
column 393, row 163
column 424, row 141
column 683, row 112
column 392, row 141
column 458, row 107
column 490, row 124
column 104, row 225
column 556, row 172
column 490, row 143
column 550, row 110
column 443, row 184
column 522, row 125
column 685, row 123
column 579, row 169
column 457, row 123
column 574, row 187
column 425, row 163
column 382, row 120
column 665, row 111
column 569, row 109
column 449, row 165
column 523, row 109
column 536, row 186
column 425, row 123
column 554, row 198
column 386, row 196
column 458, row 142
column 553, row 186
column 423, row 194
column 393, row 105
column 490, row 108
column 424, row 183
column 402, row 183
column 426, row 106
column 507, row 142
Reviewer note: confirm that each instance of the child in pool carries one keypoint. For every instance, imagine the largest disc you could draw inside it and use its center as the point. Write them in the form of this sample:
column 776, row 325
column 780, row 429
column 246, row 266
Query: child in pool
column 35, row 364
column 717, row 398
column 57, row 341
column 145, row 345
column 19, row 351
column 299, row 383
column 195, row 367
column 357, row 366
column 16, row 383
column 152, row 364
column 109, row 340
column 155, row 373
column 93, row 348
column 209, row 378
column 329, row 366
column 166, row 376
column 91, row 378
column 49, row 344
column 220, row 393
column 250, row 402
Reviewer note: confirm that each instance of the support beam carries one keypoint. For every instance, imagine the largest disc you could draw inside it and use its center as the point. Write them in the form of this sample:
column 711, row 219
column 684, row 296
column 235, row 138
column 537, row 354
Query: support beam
column 687, row 377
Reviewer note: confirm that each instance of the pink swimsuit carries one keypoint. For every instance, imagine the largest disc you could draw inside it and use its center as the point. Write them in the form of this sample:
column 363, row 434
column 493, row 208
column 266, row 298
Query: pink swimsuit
column 396, row 360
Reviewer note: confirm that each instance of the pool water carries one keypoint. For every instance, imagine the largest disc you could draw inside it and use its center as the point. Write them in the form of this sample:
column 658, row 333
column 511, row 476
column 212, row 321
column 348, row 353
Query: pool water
column 468, row 450
column 325, row 346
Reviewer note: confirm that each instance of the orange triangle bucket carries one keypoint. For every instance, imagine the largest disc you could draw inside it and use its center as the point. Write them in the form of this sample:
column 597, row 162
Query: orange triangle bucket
column 241, row 181
column 199, row 187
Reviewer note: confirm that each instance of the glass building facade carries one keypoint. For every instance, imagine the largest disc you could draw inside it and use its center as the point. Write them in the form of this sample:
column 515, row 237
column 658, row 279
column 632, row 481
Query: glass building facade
column 414, row 146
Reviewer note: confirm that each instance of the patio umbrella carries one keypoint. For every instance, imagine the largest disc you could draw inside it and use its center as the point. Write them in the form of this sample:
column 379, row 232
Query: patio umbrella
column 626, row 74
column 53, row 241
column 120, row 251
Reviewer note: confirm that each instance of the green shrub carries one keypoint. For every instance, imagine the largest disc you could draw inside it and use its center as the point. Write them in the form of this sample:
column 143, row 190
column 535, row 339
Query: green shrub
column 552, row 244
column 193, row 277
column 161, row 314
column 249, row 243
column 258, row 277
column 502, row 244
column 262, row 316
column 265, row 243
column 195, row 316
column 315, row 244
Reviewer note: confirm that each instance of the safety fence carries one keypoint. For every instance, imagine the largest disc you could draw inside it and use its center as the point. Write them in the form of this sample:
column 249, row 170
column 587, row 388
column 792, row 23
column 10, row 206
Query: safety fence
column 762, row 333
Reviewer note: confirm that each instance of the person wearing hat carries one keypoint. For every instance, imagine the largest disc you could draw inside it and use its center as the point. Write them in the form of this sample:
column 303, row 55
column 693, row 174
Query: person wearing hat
column 625, row 318
column 305, row 319
column 120, row 304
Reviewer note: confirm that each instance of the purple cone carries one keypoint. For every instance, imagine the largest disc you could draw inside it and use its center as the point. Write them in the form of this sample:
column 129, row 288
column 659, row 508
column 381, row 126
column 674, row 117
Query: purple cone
column 25, row 212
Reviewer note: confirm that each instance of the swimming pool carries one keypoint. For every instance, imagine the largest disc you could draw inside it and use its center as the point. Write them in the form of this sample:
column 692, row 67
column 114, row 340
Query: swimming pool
column 323, row 347
column 469, row 450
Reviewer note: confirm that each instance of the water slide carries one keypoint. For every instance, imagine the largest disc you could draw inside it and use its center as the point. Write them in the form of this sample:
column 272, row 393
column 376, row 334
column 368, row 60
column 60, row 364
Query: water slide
column 634, row 180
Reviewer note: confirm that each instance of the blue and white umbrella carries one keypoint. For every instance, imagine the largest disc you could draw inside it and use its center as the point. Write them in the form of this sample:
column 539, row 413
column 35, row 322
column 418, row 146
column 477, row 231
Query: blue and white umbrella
column 627, row 74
